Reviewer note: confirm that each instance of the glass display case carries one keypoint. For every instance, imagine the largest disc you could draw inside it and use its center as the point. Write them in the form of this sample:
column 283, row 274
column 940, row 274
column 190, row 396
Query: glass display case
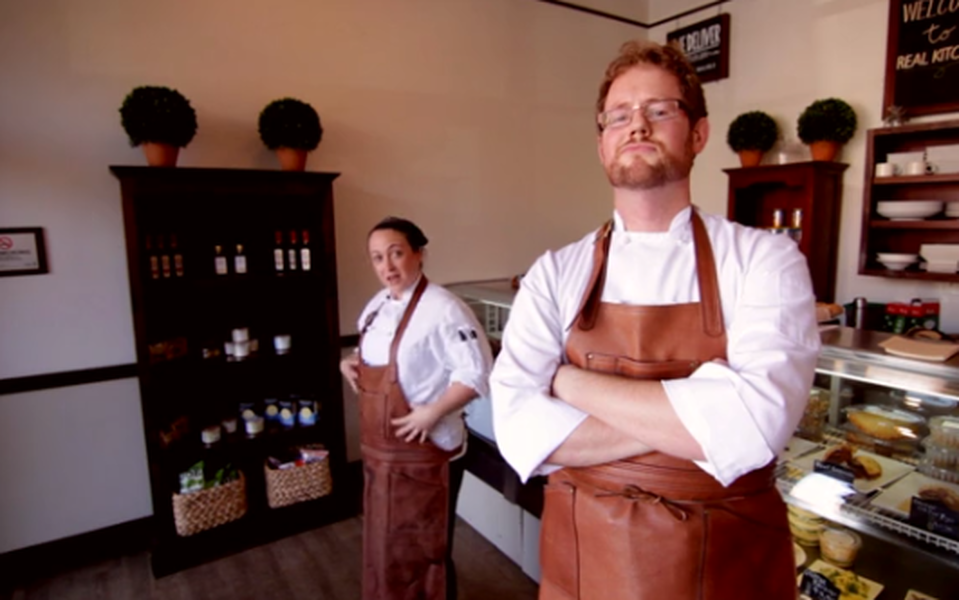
column 871, row 475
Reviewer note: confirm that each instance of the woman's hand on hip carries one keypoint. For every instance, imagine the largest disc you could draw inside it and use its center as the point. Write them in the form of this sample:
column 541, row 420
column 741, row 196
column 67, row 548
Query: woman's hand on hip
column 350, row 367
column 418, row 423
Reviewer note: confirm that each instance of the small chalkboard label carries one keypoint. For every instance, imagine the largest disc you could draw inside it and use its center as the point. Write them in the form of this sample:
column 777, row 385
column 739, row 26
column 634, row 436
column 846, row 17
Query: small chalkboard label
column 833, row 470
column 706, row 45
column 935, row 517
column 818, row 587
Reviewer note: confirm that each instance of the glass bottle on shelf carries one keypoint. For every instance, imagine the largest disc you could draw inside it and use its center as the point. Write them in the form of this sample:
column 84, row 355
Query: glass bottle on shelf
column 219, row 261
column 795, row 225
column 177, row 257
column 305, row 257
column 291, row 252
column 778, row 220
column 152, row 258
column 278, row 254
column 239, row 260
column 164, row 258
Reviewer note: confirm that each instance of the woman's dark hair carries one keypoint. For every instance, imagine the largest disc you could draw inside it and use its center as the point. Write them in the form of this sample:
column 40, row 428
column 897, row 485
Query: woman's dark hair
column 413, row 234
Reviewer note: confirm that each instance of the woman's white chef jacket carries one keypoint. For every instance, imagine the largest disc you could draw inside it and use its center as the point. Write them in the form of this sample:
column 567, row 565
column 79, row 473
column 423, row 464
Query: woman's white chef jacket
column 742, row 414
column 443, row 343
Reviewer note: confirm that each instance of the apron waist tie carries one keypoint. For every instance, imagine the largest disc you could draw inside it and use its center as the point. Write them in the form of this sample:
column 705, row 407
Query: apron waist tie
column 677, row 508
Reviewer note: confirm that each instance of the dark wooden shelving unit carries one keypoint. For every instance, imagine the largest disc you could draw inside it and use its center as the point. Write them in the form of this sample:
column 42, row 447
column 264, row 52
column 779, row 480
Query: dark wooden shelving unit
column 199, row 309
column 882, row 235
column 813, row 187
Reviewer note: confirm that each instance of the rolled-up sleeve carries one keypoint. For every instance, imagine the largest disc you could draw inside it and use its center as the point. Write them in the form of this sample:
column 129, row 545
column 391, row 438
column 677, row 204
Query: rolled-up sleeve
column 528, row 422
column 743, row 412
column 466, row 352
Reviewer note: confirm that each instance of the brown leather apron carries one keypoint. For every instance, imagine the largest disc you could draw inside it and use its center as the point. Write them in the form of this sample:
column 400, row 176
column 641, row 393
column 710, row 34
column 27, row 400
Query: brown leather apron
column 656, row 526
column 405, row 493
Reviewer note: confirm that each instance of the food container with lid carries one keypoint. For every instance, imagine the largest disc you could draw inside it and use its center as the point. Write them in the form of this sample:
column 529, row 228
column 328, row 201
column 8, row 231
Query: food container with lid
column 944, row 431
column 946, row 457
column 883, row 423
column 938, row 472
column 839, row 546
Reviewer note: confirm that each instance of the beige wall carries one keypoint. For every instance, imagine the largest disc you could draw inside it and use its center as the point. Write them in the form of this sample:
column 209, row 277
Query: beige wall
column 468, row 116
column 472, row 117
column 784, row 55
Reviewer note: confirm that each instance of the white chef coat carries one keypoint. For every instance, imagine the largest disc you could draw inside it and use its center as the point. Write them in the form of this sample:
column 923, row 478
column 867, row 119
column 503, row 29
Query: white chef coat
column 443, row 343
column 742, row 414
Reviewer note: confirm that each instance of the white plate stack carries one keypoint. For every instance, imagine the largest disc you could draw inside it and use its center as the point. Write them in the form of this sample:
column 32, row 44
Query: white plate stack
column 940, row 258
column 943, row 159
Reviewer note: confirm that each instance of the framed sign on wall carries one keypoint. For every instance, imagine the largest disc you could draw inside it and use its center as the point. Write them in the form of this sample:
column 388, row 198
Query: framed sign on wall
column 706, row 45
column 22, row 251
column 922, row 57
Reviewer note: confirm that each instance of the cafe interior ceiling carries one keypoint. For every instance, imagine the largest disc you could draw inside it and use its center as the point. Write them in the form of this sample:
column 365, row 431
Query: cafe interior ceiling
column 641, row 13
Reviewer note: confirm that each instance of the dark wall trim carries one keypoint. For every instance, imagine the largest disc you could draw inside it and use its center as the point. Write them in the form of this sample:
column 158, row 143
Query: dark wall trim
column 606, row 15
column 32, row 383
column 20, row 567
column 47, row 381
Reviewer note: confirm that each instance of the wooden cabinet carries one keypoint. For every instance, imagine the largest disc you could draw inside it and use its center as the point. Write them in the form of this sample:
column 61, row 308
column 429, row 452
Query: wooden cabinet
column 880, row 234
column 186, row 228
column 815, row 189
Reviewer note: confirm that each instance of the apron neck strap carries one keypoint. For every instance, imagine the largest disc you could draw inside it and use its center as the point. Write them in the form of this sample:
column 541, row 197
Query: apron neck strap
column 400, row 329
column 710, row 303
column 407, row 315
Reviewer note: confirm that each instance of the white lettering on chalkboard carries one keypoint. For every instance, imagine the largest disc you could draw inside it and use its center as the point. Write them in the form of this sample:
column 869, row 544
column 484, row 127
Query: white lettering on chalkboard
column 704, row 39
column 907, row 61
column 928, row 9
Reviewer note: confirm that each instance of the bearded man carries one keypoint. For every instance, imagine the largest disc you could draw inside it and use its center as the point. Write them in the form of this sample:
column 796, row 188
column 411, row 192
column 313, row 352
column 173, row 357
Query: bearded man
column 655, row 368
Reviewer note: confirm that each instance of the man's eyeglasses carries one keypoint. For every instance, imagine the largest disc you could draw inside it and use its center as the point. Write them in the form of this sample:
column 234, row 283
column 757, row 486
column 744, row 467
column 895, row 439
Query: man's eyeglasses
column 653, row 111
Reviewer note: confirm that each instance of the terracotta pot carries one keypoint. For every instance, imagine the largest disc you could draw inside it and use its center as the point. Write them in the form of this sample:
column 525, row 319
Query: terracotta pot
column 750, row 158
column 291, row 159
column 824, row 150
column 160, row 155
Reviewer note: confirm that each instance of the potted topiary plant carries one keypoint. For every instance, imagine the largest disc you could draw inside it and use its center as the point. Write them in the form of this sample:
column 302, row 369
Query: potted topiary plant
column 161, row 120
column 292, row 128
column 825, row 125
column 752, row 134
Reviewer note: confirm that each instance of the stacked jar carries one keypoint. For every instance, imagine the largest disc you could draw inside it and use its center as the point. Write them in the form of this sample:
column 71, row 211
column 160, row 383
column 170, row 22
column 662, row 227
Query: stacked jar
column 941, row 459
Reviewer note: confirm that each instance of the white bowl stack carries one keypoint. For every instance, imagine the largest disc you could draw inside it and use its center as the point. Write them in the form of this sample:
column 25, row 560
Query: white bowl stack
column 940, row 258
column 908, row 210
column 952, row 210
column 896, row 261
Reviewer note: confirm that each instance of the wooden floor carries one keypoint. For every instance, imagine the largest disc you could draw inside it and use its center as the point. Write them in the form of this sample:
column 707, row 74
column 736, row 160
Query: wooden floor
column 319, row 564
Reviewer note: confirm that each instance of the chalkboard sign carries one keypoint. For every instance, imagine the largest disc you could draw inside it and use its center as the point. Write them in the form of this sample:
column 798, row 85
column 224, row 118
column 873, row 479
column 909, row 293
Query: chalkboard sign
column 818, row 587
column 833, row 470
column 706, row 45
column 922, row 56
column 933, row 516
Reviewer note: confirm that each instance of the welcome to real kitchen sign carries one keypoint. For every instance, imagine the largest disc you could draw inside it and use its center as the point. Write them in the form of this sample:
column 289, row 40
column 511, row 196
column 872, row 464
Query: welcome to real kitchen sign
column 706, row 45
column 922, row 56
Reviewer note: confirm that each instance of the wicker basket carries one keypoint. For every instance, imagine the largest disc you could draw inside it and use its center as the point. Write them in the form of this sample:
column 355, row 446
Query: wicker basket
column 205, row 509
column 299, row 484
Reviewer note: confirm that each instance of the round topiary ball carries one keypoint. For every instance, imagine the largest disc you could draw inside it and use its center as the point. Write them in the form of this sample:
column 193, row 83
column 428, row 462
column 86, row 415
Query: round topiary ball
column 753, row 130
column 290, row 123
column 158, row 114
column 829, row 120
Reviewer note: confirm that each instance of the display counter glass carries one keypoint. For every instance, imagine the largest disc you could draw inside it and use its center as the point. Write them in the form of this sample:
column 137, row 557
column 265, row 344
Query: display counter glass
column 871, row 475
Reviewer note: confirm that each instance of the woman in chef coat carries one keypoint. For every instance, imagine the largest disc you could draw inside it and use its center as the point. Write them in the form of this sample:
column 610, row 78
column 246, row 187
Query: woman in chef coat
column 421, row 359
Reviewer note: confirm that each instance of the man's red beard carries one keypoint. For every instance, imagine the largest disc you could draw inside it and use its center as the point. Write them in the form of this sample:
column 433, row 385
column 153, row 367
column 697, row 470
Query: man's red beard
column 641, row 175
